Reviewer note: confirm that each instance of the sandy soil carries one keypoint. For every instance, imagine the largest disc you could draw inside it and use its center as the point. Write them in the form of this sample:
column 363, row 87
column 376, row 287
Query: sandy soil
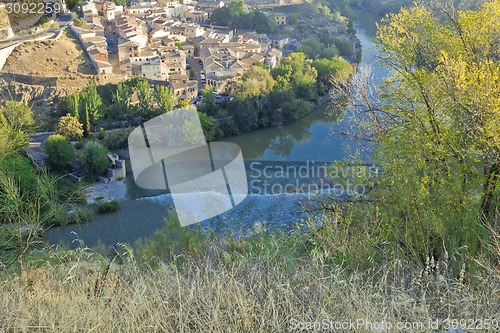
column 64, row 59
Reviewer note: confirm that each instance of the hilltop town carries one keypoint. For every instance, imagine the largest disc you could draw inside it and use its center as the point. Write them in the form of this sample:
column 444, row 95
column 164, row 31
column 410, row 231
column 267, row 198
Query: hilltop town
column 175, row 43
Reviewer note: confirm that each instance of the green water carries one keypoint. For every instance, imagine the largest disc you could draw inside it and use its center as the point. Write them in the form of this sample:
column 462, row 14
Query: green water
column 313, row 138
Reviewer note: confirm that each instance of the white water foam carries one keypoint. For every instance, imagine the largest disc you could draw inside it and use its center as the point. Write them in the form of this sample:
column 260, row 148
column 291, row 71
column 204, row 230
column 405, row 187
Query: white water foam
column 268, row 211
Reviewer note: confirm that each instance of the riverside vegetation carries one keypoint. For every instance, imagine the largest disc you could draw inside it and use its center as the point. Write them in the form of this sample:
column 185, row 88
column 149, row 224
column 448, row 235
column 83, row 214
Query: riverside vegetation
column 424, row 247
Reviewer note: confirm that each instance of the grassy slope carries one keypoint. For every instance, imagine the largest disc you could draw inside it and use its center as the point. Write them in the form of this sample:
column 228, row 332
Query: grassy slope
column 257, row 285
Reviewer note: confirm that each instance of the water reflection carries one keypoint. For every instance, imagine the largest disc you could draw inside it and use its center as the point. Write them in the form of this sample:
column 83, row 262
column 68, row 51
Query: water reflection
column 305, row 139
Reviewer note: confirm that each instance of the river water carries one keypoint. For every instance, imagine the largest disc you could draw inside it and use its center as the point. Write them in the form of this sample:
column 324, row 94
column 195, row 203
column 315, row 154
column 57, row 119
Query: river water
column 313, row 141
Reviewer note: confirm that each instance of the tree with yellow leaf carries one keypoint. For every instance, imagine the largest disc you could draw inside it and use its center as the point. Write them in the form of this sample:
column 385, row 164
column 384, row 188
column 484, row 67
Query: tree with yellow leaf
column 437, row 125
column 69, row 127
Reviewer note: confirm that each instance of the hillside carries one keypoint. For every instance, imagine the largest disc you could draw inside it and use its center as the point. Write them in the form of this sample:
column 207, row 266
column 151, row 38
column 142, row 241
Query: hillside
column 381, row 7
column 64, row 59
column 41, row 72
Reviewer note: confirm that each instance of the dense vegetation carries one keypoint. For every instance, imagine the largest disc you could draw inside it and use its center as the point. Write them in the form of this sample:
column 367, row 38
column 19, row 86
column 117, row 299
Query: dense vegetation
column 435, row 126
column 30, row 199
column 125, row 101
column 264, row 98
column 59, row 152
column 108, row 207
column 94, row 160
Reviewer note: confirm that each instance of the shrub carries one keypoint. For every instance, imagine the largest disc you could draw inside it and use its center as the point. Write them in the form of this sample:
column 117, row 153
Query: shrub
column 79, row 22
column 82, row 215
column 116, row 139
column 210, row 127
column 59, row 151
column 79, row 145
column 76, row 215
column 94, row 160
column 21, row 170
column 109, row 207
column 69, row 191
column 69, row 127
column 8, row 238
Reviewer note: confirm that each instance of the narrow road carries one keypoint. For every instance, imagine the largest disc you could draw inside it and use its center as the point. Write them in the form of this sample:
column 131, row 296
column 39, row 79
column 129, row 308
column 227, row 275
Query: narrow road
column 63, row 21
column 195, row 66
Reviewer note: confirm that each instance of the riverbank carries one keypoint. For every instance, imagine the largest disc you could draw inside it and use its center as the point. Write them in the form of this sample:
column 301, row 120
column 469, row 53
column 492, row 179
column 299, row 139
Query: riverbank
column 180, row 281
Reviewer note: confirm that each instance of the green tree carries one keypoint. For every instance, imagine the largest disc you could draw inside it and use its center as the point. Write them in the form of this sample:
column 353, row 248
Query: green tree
column 144, row 94
column 210, row 128
column 311, row 47
column 255, row 82
column 254, row 87
column 90, row 104
column 94, row 160
column 324, row 10
column 243, row 115
column 237, row 7
column 183, row 103
column 208, row 104
column 59, row 152
column 222, row 16
column 72, row 3
column 71, row 104
column 236, row 16
column 329, row 69
column 79, row 22
column 329, row 52
column 85, row 120
column 293, row 18
column 121, row 99
column 165, row 98
column 16, row 119
column 436, row 129
column 69, row 127
column 343, row 46
column 294, row 72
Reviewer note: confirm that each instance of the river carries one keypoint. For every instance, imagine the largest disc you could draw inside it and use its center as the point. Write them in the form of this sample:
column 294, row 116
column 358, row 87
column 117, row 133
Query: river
column 313, row 140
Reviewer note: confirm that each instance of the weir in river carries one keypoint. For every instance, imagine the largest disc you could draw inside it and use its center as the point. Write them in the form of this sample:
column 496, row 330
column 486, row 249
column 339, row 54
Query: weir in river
column 267, row 177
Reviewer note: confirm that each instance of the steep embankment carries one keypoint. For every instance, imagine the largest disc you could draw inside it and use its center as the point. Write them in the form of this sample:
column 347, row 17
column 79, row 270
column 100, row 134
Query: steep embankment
column 42, row 72
column 5, row 27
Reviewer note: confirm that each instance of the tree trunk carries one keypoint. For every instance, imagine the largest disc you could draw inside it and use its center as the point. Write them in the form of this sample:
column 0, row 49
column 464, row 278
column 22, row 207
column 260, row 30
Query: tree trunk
column 492, row 180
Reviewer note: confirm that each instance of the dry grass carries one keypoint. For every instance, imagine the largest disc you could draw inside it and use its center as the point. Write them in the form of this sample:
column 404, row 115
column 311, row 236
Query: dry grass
column 4, row 19
column 259, row 290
